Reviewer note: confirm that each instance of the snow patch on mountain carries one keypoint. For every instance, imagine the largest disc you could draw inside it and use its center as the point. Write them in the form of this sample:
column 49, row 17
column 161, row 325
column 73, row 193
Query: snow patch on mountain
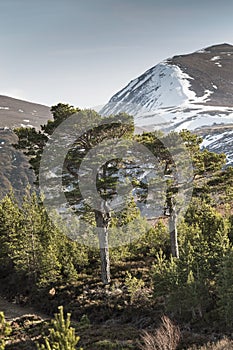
column 210, row 140
column 163, row 86
column 221, row 142
column 215, row 58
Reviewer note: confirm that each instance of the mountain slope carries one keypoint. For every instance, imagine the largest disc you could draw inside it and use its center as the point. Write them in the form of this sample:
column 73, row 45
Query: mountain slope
column 193, row 91
column 15, row 171
column 16, row 113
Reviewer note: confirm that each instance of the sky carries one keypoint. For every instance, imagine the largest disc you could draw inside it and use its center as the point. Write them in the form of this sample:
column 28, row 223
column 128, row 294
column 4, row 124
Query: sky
column 82, row 52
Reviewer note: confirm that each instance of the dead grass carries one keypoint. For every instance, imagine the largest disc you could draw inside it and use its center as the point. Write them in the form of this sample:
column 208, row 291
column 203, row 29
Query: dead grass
column 223, row 344
column 166, row 337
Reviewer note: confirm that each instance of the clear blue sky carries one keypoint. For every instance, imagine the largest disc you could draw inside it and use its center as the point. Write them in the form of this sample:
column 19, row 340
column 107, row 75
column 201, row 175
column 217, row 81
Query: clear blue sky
column 83, row 51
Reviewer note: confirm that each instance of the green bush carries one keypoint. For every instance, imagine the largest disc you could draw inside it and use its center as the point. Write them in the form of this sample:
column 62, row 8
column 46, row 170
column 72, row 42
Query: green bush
column 134, row 286
column 61, row 335
column 5, row 330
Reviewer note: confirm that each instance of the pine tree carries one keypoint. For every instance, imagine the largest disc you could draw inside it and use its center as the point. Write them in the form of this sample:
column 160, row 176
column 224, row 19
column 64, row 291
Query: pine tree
column 10, row 217
column 173, row 158
column 61, row 335
column 171, row 151
column 165, row 275
column 224, row 284
column 32, row 247
column 33, row 143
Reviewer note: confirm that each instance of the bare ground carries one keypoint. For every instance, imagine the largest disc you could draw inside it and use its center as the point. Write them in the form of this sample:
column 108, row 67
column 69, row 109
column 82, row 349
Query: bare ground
column 13, row 311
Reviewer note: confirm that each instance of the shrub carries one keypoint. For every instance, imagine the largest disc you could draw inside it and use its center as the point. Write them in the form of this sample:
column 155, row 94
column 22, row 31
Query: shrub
column 61, row 336
column 5, row 330
column 134, row 286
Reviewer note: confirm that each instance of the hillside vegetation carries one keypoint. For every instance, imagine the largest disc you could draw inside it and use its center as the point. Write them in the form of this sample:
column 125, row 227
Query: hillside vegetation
column 141, row 295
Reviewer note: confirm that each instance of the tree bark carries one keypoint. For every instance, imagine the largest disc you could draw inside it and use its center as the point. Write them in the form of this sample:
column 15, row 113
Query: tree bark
column 102, row 221
column 173, row 234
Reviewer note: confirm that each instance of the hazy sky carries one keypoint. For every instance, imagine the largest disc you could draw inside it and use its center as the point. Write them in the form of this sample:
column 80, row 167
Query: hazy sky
column 83, row 51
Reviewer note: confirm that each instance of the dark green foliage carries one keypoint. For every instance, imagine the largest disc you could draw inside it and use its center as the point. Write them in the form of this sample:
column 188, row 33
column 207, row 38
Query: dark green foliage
column 10, row 217
column 224, row 284
column 32, row 247
column 189, row 283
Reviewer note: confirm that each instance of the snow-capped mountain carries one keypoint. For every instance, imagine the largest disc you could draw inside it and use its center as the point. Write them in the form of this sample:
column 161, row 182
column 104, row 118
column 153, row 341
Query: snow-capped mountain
column 193, row 91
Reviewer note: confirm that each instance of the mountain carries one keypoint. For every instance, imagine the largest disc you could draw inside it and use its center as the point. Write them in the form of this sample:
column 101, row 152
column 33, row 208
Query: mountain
column 15, row 171
column 193, row 91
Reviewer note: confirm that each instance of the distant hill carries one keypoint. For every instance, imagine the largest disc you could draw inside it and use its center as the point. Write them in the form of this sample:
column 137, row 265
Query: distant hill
column 14, row 166
column 15, row 113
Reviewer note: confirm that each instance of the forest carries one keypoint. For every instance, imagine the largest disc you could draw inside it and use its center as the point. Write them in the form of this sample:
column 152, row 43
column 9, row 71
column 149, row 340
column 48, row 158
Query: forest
column 159, row 282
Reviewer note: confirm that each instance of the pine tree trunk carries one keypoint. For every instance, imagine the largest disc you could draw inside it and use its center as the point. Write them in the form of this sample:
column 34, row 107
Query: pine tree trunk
column 173, row 235
column 102, row 222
